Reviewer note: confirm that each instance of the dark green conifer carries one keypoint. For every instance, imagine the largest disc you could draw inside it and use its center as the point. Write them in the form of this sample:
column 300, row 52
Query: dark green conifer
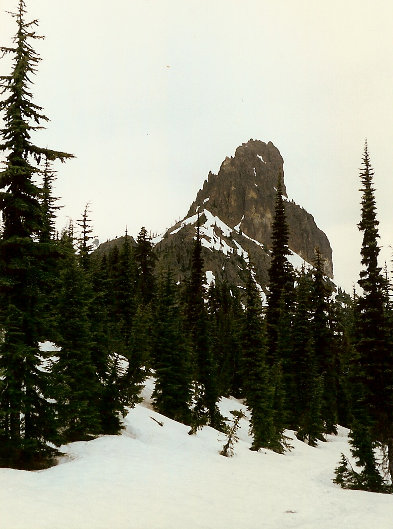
column 85, row 246
column 99, row 316
column 145, row 260
column 48, row 205
column 280, row 294
column 341, row 318
column 125, row 291
column 172, row 393
column 78, row 390
column 108, row 365
column 373, row 337
column 225, row 316
column 130, row 323
column 309, row 383
column 197, row 323
column 25, row 413
column 139, row 351
column 258, row 387
column 324, row 342
column 372, row 399
column 51, row 259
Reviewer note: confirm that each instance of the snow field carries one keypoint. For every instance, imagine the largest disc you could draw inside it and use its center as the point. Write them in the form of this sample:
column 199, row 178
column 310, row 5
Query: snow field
column 154, row 477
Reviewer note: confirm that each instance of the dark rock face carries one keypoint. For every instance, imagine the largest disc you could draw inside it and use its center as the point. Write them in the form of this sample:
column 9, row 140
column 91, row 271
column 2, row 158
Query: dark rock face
column 236, row 209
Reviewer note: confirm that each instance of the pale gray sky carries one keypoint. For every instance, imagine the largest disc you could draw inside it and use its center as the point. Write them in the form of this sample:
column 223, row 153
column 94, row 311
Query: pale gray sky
column 152, row 94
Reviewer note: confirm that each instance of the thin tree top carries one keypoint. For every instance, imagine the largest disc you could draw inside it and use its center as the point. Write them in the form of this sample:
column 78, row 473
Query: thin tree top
column 370, row 276
column 21, row 115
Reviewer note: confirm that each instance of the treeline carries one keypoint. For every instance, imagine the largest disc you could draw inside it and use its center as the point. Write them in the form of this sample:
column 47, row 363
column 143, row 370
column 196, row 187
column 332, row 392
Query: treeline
column 312, row 358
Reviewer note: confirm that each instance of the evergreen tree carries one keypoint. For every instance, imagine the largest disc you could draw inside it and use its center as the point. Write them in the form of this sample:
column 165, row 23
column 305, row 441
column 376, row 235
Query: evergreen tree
column 225, row 317
column 324, row 344
column 342, row 321
column 99, row 316
column 139, row 352
column 78, row 390
column 145, row 290
column 280, row 275
column 172, row 393
column 283, row 366
column 372, row 400
column 107, row 363
column 145, row 260
column 373, row 343
column 258, row 390
column 130, row 324
column 121, row 295
column 197, row 323
column 51, row 255
column 126, row 291
column 26, row 423
column 231, row 431
column 84, row 243
column 48, row 205
column 308, row 398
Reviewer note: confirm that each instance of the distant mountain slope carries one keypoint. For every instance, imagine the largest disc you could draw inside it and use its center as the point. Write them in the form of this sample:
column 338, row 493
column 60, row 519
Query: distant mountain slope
column 236, row 209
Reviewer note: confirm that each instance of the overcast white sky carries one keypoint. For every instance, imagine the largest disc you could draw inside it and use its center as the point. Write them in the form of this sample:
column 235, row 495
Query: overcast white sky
column 152, row 94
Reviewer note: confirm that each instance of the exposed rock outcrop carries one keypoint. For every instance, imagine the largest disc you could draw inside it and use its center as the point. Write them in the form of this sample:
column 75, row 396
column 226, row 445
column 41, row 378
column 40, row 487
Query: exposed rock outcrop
column 236, row 209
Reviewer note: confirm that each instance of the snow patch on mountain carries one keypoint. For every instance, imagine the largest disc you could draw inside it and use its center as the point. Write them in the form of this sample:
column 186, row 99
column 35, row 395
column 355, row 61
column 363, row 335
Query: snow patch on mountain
column 296, row 261
column 185, row 222
column 237, row 227
column 260, row 290
column 253, row 240
column 210, row 278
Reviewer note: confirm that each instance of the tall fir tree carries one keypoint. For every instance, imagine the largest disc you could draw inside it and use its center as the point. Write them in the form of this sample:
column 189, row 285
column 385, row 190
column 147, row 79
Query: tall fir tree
column 78, row 389
column 26, row 424
column 85, row 246
column 139, row 351
column 172, row 393
column 373, row 337
column 341, row 311
column 145, row 260
column 107, row 362
column 50, row 263
column 280, row 294
column 122, row 285
column 258, row 389
column 145, row 291
column 131, row 322
column 307, row 401
column 324, row 342
column 48, row 204
column 225, row 325
column 197, row 323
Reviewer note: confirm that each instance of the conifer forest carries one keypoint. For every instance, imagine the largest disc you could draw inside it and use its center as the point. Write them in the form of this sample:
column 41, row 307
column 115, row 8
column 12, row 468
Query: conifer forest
column 309, row 358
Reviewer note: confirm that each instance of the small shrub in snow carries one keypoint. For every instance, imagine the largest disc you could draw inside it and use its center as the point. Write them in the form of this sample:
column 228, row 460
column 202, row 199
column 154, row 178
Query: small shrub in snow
column 348, row 478
column 231, row 431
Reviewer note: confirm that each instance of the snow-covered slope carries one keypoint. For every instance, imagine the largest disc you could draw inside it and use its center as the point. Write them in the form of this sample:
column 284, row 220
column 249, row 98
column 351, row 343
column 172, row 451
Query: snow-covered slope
column 158, row 477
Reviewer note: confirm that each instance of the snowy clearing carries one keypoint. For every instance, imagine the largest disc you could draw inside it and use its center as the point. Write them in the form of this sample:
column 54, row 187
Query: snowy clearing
column 154, row 477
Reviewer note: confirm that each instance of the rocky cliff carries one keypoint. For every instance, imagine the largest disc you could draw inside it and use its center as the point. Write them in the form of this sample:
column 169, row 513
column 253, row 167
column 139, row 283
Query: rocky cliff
column 236, row 209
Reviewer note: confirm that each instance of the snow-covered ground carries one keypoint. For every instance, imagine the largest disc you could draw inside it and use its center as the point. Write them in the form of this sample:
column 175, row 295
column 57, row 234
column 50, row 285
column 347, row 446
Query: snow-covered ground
column 158, row 477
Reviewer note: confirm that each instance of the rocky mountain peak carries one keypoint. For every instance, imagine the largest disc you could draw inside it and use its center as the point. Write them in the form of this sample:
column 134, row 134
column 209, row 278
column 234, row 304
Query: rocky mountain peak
column 242, row 195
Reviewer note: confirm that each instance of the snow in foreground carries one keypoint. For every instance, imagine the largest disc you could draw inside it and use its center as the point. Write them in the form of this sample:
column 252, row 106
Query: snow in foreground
column 154, row 477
